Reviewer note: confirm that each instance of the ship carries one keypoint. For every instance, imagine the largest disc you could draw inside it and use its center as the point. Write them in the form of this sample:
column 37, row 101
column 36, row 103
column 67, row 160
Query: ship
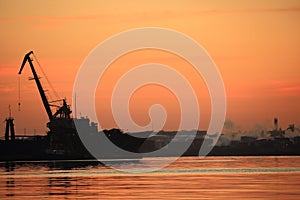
column 62, row 140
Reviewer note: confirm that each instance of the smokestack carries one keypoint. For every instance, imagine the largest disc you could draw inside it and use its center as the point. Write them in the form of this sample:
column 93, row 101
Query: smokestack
column 276, row 123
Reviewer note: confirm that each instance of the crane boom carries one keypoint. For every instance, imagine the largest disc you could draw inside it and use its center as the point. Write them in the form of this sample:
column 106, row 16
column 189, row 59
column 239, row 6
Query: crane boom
column 38, row 83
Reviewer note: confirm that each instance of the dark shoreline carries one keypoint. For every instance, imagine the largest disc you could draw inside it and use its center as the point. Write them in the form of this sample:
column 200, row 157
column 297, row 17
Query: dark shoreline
column 213, row 153
column 39, row 148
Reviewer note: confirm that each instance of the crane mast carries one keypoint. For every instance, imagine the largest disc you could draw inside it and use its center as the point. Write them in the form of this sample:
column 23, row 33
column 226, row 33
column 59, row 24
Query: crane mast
column 38, row 83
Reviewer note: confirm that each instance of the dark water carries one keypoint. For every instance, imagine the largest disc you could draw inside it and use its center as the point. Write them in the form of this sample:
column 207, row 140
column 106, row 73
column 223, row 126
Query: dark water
column 187, row 178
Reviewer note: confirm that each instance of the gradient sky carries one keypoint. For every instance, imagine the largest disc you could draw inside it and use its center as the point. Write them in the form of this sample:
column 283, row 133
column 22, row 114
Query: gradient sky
column 255, row 45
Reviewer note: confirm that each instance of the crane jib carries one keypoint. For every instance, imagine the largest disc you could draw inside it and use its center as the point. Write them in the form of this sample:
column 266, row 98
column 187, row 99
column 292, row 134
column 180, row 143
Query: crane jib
column 27, row 56
column 38, row 83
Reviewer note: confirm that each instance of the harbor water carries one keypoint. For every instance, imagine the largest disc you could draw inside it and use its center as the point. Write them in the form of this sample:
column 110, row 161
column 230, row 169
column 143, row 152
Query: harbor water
column 259, row 177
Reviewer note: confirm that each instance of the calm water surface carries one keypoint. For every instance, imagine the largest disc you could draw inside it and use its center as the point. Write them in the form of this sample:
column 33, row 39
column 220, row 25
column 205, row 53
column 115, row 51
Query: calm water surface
column 187, row 178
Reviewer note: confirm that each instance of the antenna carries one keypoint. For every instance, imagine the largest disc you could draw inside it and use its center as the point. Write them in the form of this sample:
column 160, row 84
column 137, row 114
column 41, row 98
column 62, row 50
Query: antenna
column 276, row 123
column 9, row 111
column 75, row 106
column 152, row 126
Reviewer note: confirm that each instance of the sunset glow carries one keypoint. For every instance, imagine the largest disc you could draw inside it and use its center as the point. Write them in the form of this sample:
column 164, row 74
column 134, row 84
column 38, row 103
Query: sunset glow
column 255, row 45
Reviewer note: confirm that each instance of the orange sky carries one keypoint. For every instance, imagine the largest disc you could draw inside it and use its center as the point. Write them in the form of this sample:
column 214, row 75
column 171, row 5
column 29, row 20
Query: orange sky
column 255, row 45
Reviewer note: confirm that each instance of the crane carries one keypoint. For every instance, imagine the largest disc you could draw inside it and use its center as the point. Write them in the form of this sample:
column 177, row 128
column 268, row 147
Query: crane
column 64, row 111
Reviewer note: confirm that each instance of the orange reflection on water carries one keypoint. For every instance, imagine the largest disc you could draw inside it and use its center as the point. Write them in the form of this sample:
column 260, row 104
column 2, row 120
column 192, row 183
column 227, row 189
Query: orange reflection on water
column 187, row 178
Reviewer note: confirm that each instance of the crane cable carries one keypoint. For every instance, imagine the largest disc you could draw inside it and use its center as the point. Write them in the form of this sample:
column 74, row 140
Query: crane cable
column 19, row 93
column 55, row 93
